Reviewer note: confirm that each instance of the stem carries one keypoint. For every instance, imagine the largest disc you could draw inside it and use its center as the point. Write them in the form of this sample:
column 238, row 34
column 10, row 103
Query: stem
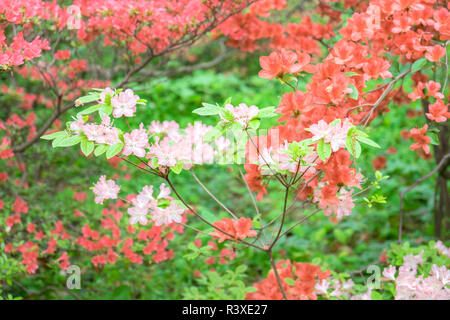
column 203, row 219
column 275, row 271
column 282, row 218
column 212, row 196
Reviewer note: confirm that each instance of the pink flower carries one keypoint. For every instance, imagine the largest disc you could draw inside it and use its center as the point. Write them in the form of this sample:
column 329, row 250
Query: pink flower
column 172, row 213
column 242, row 114
column 124, row 104
column 335, row 134
column 389, row 273
column 164, row 191
column 322, row 287
column 135, row 142
column 105, row 190
column 320, row 130
column 343, row 207
column 139, row 210
column 103, row 134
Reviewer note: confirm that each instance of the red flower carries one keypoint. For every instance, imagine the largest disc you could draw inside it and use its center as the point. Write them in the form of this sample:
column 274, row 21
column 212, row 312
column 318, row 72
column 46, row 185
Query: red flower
column 379, row 163
column 421, row 139
column 305, row 278
column 438, row 111
column 239, row 229
column 20, row 205
column 62, row 55
column 278, row 63
column 435, row 53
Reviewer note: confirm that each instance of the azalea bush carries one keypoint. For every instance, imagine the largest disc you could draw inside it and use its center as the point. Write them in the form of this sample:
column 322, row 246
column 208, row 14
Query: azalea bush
column 336, row 71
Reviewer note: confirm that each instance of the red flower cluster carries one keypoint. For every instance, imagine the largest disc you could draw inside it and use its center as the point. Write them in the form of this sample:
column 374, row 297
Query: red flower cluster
column 303, row 278
column 238, row 229
column 410, row 30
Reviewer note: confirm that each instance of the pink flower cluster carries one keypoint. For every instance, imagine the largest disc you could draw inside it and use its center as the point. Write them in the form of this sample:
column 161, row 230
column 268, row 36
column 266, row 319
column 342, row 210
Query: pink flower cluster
column 335, row 134
column 124, row 104
column 136, row 142
column 103, row 133
column 104, row 189
column 242, row 113
column 144, row 204
column 341, row 205
column 409, row 286
column 273, row 159
column 173, row 145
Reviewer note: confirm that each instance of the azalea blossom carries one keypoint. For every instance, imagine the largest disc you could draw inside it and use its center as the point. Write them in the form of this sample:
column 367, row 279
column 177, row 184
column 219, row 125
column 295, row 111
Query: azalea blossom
column 421, row 140
column 335, row 134
column 238, row 229
column 172, row 213
column 136, row 142
column 438, row 111
column 241, row 113
column 105, row 189
column 124, row 104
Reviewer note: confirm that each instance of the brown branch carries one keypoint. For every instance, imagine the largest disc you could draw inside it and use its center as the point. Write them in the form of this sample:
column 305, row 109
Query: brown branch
column 58, row 111
column 277, row 276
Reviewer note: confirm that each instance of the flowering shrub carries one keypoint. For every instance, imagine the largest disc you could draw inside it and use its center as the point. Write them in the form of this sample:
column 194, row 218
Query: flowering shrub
column 339, row 78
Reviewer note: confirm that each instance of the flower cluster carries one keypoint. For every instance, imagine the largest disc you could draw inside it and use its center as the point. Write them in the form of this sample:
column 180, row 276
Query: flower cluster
column 162, row 209
column 409, row 285
column 299, row 281
column 237, row 229
column 104, row 189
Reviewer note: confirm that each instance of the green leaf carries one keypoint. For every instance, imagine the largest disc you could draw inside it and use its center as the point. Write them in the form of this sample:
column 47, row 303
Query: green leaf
column 90, row 110
column 106, row 109
column 177, row 168
column 227, row 114
column 289, row 281
column 154, row 162
column 67, row 141
column 368, row 142
column 100, row 149
column 376, row 296
column 340, row 236
column 351, row 73
column 228, row 101
column 114, row 150
column 87, row 99
column 354, row 93
column 353, row 147
column 323, row 150
column 256, row 221
column 268, row 112
column 359, row 133
column 254, row 124
column 241, row 269
column 54, row 135
column 87, row 147
column 434, row 138
column 418, row 64
column 207, row 110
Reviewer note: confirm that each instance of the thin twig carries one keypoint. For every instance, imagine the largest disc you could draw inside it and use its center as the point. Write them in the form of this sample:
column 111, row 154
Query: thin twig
column 212, row 196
